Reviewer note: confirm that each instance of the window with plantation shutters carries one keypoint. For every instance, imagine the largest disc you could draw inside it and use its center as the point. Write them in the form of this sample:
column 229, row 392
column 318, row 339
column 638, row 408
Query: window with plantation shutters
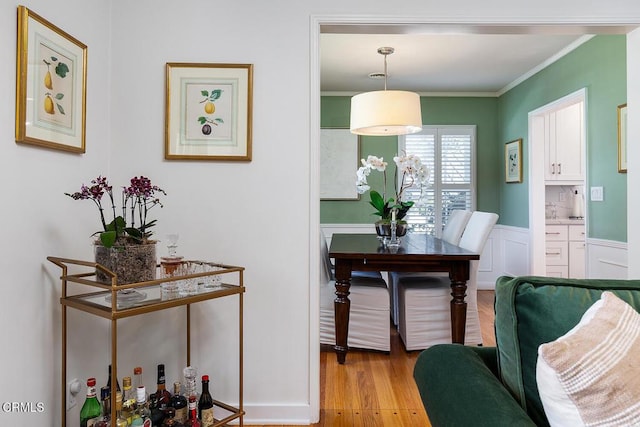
column 449, row 152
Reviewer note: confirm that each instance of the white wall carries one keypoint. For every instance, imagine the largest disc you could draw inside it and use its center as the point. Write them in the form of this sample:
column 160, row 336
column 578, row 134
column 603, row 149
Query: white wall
column 633, row 152
column 223, row 211
column 39, row 220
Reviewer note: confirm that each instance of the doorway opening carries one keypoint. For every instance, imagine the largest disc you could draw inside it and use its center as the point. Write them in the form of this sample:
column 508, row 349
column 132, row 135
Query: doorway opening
column 540, row 164
column 387, row 25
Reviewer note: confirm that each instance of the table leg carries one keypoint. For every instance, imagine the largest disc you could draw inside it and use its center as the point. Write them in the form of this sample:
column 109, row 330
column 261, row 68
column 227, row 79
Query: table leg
column 342, row 306
column 459, row 275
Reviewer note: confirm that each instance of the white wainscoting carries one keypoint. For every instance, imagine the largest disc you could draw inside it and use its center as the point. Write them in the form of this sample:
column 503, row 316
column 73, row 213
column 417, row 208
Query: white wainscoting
column 607, row 259
column 507, row 252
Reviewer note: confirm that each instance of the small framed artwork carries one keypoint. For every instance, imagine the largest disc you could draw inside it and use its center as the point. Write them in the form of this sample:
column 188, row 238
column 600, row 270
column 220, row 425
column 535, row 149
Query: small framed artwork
column 622, row 138
column 51, row 76
column 208, row 111
column 513, row 161
column 339, row 153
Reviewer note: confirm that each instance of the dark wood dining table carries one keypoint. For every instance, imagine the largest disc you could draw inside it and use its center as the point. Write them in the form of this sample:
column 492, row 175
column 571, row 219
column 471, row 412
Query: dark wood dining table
column 416, row 253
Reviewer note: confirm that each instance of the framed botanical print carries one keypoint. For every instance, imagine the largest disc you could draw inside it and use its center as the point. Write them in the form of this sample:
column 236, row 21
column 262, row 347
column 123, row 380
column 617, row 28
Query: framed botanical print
column 208, row 111
column 51, row 75
column 513, row 161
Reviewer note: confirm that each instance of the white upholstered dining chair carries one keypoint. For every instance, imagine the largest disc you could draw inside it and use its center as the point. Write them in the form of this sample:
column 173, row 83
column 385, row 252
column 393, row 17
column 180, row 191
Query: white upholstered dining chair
column 370, row 308
column 452, row 233
column 456, row 223
column 424, row 317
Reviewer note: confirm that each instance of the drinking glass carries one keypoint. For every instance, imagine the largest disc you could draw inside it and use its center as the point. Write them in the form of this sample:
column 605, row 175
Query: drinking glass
column 213, row 281
column 189, row 286
column 171, row 289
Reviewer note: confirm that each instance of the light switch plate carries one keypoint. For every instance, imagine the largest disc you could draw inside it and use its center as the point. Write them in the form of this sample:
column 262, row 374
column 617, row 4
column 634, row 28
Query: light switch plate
column 597, row 194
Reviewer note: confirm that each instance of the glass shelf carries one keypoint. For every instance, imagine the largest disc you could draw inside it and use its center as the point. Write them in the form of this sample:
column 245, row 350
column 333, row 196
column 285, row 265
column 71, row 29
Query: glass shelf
column 144, row 297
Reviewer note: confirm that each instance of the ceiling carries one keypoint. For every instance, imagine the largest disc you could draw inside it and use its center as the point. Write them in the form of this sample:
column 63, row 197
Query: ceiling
column 467, row 61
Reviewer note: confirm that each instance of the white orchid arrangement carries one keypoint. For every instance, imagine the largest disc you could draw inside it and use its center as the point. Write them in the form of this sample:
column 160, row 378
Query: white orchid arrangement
column 412, row 172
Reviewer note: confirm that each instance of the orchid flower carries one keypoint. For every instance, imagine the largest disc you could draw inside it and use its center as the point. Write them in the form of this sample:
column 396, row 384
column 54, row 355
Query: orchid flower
column 412, row 173
column 140, row 196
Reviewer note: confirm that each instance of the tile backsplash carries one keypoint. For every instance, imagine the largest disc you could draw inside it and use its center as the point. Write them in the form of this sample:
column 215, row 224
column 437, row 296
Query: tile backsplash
column 559, row 200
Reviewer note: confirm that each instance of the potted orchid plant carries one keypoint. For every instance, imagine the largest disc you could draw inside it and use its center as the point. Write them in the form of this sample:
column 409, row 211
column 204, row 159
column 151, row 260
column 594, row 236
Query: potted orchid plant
column 410, row 172
column 124, row 244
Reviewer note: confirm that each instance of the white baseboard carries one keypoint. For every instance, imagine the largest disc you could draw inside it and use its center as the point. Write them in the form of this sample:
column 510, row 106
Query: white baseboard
column 278, row 414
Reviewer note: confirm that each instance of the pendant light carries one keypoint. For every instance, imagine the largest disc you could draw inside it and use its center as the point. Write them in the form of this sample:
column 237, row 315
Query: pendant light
column 386, row 112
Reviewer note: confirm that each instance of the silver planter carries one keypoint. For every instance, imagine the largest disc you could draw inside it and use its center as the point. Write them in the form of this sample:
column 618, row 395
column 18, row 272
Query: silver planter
column 383, row 229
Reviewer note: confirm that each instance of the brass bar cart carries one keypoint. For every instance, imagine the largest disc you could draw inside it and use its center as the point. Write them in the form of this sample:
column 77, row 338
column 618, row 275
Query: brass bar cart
column 98, row 301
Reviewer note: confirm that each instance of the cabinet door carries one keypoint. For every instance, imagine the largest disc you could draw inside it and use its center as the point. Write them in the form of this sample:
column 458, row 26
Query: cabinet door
column 556, row 253
column 556, row 233
column 569, row 143
column 576, row 260
column 577, row 233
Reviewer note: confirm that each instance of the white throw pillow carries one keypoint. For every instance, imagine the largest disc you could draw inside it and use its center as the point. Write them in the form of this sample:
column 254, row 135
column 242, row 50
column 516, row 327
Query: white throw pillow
column 591, row 375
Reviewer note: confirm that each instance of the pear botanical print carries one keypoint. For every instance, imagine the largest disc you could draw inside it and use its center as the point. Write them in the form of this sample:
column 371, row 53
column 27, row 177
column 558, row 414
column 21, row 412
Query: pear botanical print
column 208, row 111
column 54, row 88
column 51, row 85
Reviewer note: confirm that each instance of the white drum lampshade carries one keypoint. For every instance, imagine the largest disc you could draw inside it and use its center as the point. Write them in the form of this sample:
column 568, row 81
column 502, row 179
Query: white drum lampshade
column 386, row 112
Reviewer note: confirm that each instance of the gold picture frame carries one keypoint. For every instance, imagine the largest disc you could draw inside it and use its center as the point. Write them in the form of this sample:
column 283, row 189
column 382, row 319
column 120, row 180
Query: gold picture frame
column 208, row 111
column 622, row 138
column 51, row 78
column 513, row 161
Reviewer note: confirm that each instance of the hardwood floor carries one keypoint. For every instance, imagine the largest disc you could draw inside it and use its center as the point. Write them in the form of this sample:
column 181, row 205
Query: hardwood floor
column 377, row 389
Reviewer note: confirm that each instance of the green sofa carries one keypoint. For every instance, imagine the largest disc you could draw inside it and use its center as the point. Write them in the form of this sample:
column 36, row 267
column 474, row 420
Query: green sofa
column 496, row 386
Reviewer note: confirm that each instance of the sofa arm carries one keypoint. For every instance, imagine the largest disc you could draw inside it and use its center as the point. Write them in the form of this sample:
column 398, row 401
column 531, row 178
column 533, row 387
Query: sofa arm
column 459, row 387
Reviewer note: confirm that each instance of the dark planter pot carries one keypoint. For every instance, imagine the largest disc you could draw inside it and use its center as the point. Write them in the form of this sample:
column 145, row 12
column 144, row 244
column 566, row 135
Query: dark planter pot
column 383, row 229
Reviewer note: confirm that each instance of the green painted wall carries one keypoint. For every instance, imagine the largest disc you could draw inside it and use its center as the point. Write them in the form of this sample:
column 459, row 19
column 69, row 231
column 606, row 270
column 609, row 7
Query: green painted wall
column 478, row 111
column 600, row 66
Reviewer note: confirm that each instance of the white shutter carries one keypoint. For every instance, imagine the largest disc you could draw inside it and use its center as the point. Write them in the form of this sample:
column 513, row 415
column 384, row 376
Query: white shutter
column 449, row 152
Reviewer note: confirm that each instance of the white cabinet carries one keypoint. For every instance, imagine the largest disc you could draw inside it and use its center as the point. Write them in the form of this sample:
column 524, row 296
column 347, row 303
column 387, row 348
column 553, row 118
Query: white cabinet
column 557, row 250
column 564, row 145
column 577, row 252
column 565, row 251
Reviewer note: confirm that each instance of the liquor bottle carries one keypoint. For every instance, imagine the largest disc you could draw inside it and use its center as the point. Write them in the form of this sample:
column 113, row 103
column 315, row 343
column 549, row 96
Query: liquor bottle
column 179, row 403
column 190, row 379
column 137, row 373
column 193, row 421
column 129, row 399
column 91, row 410
column 142, row 414
column 159, row 400
column 170, row 418
column 109, row 381
column 205, row 404
column 121, row 421
column 105, row 420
